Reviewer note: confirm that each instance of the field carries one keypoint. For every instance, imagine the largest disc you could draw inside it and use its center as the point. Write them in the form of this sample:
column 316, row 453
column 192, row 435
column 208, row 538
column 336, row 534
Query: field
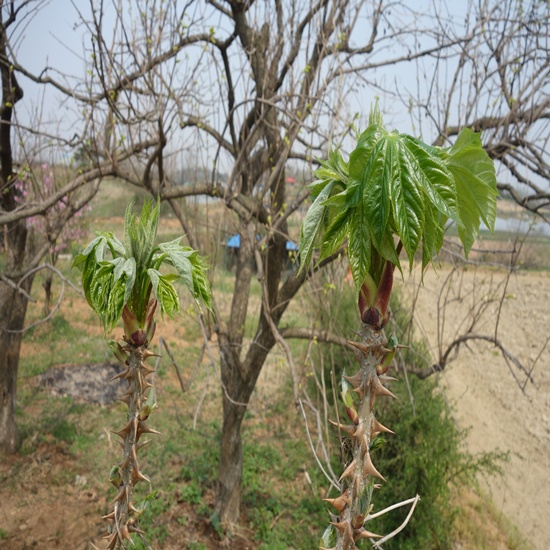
column 53, row 494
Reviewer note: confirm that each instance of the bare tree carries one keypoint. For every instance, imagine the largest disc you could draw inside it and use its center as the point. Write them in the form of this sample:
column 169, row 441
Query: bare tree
column 251, row 86
column 23, row 250
column 25, row 144
column 497, row 83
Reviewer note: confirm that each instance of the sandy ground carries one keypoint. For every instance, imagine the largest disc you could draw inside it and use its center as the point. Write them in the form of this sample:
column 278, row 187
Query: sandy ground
column 483, row 389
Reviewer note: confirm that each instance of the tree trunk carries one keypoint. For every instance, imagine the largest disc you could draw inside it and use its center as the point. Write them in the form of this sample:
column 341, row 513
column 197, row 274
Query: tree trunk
column 231, row 463
column 13, row 306
column 239, row 378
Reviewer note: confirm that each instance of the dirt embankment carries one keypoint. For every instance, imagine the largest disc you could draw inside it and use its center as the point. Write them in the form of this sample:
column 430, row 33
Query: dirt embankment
column 482, row 387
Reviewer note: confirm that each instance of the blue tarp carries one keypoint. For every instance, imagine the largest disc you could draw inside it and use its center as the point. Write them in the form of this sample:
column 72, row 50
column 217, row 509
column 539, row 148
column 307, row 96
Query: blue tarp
column 235, row 242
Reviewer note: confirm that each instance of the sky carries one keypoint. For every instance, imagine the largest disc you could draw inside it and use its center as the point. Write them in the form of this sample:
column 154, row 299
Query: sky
column 53, row 36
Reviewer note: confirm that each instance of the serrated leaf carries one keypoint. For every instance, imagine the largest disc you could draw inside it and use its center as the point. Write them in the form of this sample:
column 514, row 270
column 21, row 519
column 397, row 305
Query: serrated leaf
column 164, row 291
column 116, row 247
column 407, row 202
column 475, row 179
column 377, row 189
column 399, row 186
column 191, row 269
column 435, row 178
column 432, row 237
column 365, row 498
column 312, row 225
column 359, row 247
column 332, row 169
column 335, row 235
column 147, row 501
column 344, row 384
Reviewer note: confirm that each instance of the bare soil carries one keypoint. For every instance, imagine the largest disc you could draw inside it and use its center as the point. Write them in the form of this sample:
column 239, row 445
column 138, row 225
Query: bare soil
column 486, row 391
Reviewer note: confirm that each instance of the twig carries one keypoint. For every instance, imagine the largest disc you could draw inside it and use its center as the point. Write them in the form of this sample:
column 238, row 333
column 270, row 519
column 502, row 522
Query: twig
column 390, row 508
column 535, row 362
column 17, row 287
column 505, row 353
column 321, row 442
column 164, row 343
column 330, row 480
column 414, row 501
column 199, row 405
column 44, row 319
column 9, row 282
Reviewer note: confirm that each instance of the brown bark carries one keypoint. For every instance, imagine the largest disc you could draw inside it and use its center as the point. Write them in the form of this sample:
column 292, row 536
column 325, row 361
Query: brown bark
column 13, row 305
column 231, row 463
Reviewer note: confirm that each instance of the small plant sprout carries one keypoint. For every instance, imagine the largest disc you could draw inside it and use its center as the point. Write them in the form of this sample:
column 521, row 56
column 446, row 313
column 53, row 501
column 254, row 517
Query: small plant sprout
column 394, row 194
column 124, row 281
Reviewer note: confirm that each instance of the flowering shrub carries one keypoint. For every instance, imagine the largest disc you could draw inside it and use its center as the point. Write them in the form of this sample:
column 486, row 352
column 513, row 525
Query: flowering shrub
column 29, row 188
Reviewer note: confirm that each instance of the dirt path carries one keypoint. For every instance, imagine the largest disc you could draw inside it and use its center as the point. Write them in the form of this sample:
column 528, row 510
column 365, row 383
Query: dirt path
column 482, row 388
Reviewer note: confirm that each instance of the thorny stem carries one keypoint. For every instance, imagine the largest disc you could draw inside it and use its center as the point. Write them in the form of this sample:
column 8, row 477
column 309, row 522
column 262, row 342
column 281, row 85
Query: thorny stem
column 354, row 504
column 127, row 474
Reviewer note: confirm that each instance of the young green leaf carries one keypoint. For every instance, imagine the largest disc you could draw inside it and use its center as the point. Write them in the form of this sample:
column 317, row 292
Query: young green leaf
column 474, row 174
column 132, row 273
column 397, row 189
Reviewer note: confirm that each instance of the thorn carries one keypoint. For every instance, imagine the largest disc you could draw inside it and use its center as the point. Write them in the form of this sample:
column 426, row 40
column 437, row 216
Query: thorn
column 148, row 353
column 137, row 476
column 339, row 502
column 134, row 529
column 123, row 374
column 357, row 522
column 143, row 443
column 369, row 469
column 348, row 428
column 379, row 389
column 125, row 397
column 386, row 378
column 125, row 431
column 109, row 516
column 359, row 432
column 349, row 470
column 144, row 429
column 134, row 455
column 363, row 348
column 147, row 370
column 342, row 526
column 362, row 533
column 360, row 391
column 126, row 534
column 119, row 495
column 377, row 428
column 125, row 462
column 356, row 379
